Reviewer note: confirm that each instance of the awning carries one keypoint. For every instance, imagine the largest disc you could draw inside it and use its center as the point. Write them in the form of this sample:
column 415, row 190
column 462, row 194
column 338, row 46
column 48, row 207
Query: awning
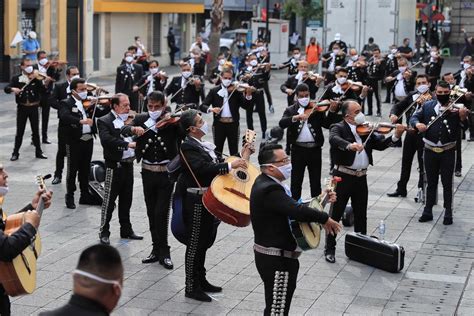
column 189, row 6
column 435, row 17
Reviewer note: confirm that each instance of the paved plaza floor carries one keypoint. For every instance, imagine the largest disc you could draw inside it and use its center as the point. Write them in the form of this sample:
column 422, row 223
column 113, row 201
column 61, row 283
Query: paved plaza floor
column 437, row 278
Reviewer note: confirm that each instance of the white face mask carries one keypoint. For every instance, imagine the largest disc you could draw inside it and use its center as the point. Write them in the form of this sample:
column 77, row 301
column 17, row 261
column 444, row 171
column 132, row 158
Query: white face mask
column 253, row 63
column 394, row 51
column 422, row 88
column 359, row 118
column 433, row 54
column 341, row 80
column 3, row 191
column 204, row 128
column 355, row 57
column 335, row 51
column 154, row 114
column 303, row 102
column 29, row 69
column 285, row 170
column 466, row 65
column 123, row 116
column 186, row 74
column 221, row 62
column 226, row 82
column 153, row 71
column 98, row 278
column 297, row 56
column 43, row 61
column 75, row 77
column 82, row 95
column 129, row 59
column 402, row 69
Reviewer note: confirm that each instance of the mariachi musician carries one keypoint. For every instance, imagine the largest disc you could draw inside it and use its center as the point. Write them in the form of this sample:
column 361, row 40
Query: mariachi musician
column 186, row 88
column 375, row 73
column 402, row 80
column 331, row 61
column 128, row 74
column 391, row 65
column 292, row 63
column 433, row 67
column 302, row 76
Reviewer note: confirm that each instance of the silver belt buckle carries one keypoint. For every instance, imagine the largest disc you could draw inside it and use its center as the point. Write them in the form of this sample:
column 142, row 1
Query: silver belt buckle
column 86, row 137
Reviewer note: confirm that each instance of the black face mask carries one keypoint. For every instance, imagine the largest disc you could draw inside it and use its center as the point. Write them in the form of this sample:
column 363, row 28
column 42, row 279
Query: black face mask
column 442, row 98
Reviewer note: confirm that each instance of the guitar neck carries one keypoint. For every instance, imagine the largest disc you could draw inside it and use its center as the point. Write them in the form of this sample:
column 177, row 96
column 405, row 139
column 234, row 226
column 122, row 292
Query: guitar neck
column 40, row 207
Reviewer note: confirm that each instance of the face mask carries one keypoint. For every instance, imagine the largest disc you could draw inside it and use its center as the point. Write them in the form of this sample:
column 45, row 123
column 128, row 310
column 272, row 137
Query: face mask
column 43, row 61
column 29, row 69
column 123, row 116
column 154, row 114
column 297, row 56
column 186, row 74
column 153, row 71
column 75, row 77
column 422, row 88
column 303, row 102
column 359, row 118
column 341, row 80
column 226, row 82
column 442, row 98
column 221, row 62
column 253, row 63
column 433, row 54
column 394, row 51
column 335, row 51
column 3, row 191
column 402, row 69
column 204, row 128
column 82, row 95
column 129, row 59
column 355, row 57
column 97, row 278
column 466, row 65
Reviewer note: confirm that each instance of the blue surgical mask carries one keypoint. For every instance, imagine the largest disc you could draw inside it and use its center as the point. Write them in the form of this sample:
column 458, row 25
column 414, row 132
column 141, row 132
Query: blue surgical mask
column 285, row 170
column 154, row 114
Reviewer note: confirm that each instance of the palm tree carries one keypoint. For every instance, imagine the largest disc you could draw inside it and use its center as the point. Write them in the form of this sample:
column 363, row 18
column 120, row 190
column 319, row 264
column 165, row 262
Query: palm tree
column 217, row 15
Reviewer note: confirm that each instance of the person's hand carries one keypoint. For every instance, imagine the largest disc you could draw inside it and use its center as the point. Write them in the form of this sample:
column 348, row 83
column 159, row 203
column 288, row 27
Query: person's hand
column 399, row 129
column 16, row 91
column 389, row 79
column 137, row 130
column 135, row 88
column 132, row 145
column 407, row 74
column 463, row 113
column 365, row 90
column 300, row 117
column 356, row 147
column 393, row 118
column 332, row 227
column 239, row 163
column 319, row 80
column 421, row 127
column 216, row 110
column 42, row 194
column 33, row 218
column 332, row 196
column 289, row 91
column 333, row 105
column 247, row 149
column 87, row 121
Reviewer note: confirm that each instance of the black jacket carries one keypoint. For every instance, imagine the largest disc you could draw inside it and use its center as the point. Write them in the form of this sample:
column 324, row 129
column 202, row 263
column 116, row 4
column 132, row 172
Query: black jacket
column 315, row 123
column 190, row 94
column 292, row 67
column 270, row 210
column 110, row 138
column 375, row 71
column 339, row 60
column 31, row 93
column 433, row 69
column 236, row 101
column 409, row 84
column 158, row 85
column 340, row 135
column 59, row 93
column 390, row 65
column 78, row 306
column 125, row 80
column 292, row 82
column 398, row 108
column 258, row 79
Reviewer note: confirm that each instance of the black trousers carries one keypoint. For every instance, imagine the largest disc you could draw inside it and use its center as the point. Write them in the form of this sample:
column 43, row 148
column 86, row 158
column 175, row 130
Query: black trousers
column 470, row 118
column 436, row 164
column 61, row 153
column 157, row 189
column 373, row 91
column 389, row 86
column 45, row 109
column 259, row 104
column 302, row 158
column 200, row 226
column 79, row 155
column 118, row 183
column 230, row 131
column 266, row 88
column 413, row 144
column 458, row 151
column 279, row 276
column 4, row 302
column 23, row 114
column 356, row 189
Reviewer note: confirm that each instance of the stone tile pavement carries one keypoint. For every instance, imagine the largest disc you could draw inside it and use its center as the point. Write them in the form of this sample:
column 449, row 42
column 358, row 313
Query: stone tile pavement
column 437, row 278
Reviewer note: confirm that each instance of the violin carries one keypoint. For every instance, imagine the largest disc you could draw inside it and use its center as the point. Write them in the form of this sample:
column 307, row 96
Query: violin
column 367, row 128
column 242, row 86
column 353, row 85
column 315, row 106
column 93, row 87
column 104, row 100
column 131, row 116
column 56, row 63
column 169, row 120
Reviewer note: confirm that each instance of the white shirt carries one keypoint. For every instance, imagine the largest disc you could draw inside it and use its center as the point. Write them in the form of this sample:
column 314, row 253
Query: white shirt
column 305, row 135
column 332, row 63
column 294, row 38
column 209, row 148
column 184, row 81
column 463, row 79
column 299, row 76
column 361, row 160
column 400, row 88
column 205, row 47
column 118, row 123
column 337, row 88
column 151, row 86
column 225, row 110
column 86, row 129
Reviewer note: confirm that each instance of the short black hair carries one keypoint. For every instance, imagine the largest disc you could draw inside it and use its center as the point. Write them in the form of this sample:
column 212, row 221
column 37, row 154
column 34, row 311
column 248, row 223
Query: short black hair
column 376, row 49
column 154, row 61
column 68, row 69
column 421, row 76
column 157, row 96
column 267, row 153
column 132, row 48
column 371, row 39
column 296, row 48
column 137, row 37
column 341, row 69
column 24, row 60
column 39, row 53
column 443, row 84
column 188, row 119
column 447, row 74
column 76, row 82
column 103, row 260
column 116, row 99
column 301, row 88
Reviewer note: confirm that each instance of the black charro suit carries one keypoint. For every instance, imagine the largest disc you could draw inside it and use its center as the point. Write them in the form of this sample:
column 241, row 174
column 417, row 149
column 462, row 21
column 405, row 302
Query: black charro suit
column 127, row 77
column 59, row 93
column 190, row 93
column 292, row 82
column 306, row 154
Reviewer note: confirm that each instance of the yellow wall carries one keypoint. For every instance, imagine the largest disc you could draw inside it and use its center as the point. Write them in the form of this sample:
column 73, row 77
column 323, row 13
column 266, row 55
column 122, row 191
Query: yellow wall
column 46, row 27
column 146, row 7
column 11, row 26
column 62, row 28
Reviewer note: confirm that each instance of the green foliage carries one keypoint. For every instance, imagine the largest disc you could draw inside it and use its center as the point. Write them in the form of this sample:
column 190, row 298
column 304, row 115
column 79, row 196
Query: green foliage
column 307, row 9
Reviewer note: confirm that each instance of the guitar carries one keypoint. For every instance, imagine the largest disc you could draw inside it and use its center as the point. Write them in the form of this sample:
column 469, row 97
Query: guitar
column 228, row 196
column 308, row 235
column 18, row 277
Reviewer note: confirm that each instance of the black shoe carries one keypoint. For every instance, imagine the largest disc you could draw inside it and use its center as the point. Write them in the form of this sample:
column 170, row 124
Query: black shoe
column 104, row 240
column 14, row 157
column 397, row 194
column 56, row 180
column 151, row 258
column 70, row 201
column 46, row 141
column 331, row 258
column 425, row 218
column 379, row 114
column 166, row 262
column 458, row 173
column 448, row 221
column 198, row 295
column 41, row 156
column 132, row 235
column 369, row 114
column 208, row 287
column 87, row 199
column 470, row 139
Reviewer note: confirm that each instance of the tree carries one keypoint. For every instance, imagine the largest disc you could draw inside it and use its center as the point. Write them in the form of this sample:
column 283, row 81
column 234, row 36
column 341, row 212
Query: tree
column 217, row 15
column 307, row 9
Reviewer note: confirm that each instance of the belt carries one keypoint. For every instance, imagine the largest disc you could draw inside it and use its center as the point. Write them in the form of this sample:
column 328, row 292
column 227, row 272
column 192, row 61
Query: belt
column 154, row 168
column 197, row 191
column 440, row 149
column 226, row 120
column 86, row 137
column 352, row 172
column 30, row 103
column 306, row 145
column 128, row 160
column 270, row 251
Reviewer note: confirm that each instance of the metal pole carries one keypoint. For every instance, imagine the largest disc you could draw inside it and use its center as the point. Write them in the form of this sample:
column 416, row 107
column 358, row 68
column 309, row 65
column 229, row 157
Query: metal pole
column 267, row 34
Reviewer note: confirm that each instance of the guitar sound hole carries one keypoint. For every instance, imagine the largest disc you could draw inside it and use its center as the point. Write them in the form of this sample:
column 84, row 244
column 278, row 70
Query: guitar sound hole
column 242, row 175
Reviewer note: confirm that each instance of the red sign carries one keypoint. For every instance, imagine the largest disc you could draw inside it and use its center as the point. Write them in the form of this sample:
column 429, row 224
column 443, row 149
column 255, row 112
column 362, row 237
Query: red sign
column 284, row 28
column 263, row 14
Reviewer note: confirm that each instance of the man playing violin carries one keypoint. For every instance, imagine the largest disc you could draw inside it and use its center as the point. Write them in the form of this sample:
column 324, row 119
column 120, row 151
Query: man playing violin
column 375, row 73
column 128, row 74
column 185, row 88
column 403, row 80
column 305, row 137
column 313, row 81
column 441, row 127
column 413, row 143
column 352, row 155
column 331, row 61
column 28, row 91
column 156, row 146
column 13, row 245
column 391, row 65
column 433, row 67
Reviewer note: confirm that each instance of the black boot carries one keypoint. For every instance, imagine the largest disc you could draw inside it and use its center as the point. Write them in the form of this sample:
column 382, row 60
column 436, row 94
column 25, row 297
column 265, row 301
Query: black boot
column 70, row 201
column 208, row 287
column 198, row 295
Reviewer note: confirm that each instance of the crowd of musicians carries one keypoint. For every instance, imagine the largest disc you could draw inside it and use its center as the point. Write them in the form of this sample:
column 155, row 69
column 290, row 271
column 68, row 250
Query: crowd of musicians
column 152, row 119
